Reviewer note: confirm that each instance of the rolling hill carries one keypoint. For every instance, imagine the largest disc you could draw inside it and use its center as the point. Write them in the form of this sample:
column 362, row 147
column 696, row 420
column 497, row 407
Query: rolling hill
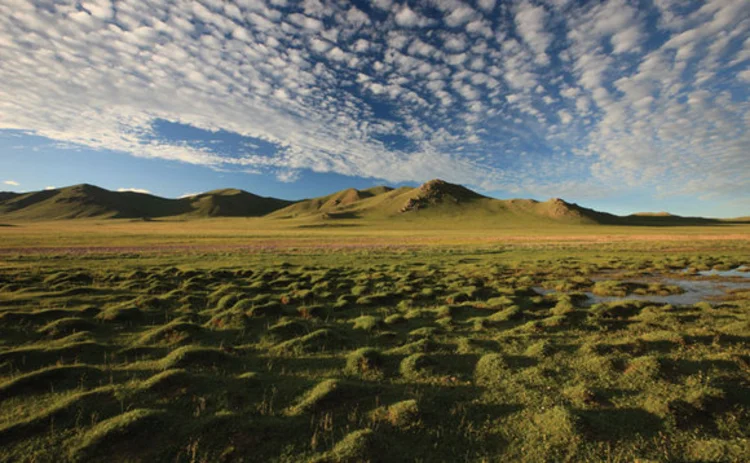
column 434, row 202
column 88, row 201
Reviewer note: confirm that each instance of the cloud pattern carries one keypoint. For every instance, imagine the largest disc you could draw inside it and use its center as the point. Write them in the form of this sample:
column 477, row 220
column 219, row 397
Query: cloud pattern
column 531, row 96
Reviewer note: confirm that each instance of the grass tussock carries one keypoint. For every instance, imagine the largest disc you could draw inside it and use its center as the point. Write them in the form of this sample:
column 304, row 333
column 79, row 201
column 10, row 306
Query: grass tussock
column 445, row 353
column 98, row 441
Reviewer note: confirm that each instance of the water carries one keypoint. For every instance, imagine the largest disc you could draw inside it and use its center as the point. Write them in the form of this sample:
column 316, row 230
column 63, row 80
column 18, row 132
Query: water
column 695, row 290
column 741, row 272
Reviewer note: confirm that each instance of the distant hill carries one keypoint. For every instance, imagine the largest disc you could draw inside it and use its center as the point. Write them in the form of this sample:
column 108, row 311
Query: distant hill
column 426, row 205
column 88, row 201
column 232, row 203
column 437, row 199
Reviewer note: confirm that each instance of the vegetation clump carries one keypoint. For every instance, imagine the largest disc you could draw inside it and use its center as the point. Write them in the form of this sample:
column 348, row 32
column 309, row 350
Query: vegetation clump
column 491, row 369
column 98, row 440
column 365, row 361
column 192, row 356
column 416, row 366
column 327, row 393
column 121, row 314
column 309, row 354
column 355, row 446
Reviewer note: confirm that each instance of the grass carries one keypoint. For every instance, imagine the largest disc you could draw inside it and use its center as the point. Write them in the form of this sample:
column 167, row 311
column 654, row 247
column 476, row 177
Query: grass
column 99, row 440
column 368, row 345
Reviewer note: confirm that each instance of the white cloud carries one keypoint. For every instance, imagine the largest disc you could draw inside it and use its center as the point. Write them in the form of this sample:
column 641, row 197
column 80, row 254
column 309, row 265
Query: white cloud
column 357, row 17
column 406, row 17
column 460, row 16
column 134, row 190
column 627, row 40
column 564, row 116
column 486, row 5
column 530, row 22
column 11, row 183
column 288, row 176
column 47, row 188
column 473, row 94
column 382, row 4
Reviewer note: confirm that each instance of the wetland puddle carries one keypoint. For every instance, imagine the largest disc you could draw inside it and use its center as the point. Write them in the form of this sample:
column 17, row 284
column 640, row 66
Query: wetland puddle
column 695, row 290
column 742, row 272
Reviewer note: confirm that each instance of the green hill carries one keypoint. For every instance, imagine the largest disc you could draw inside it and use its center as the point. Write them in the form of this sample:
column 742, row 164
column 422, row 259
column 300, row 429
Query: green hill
column 88, row 201
column 437, row 200
column 232, row 203
column 435, row 203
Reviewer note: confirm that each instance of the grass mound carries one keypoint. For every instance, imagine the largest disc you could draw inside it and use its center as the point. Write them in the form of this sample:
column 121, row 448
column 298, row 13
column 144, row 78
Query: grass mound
column 558, row 425
column 167, row 380
column 402, row 414
column 285, row 329
column 367, row 323
column 231, row 319
column 99, row 440
column 617, row 309
column 320, row 340
column 542, row 348
column 121, row 314
column 56, row 378
column 28, row 358
column 491, row 369
column 328, row 393
column 170, row 334
column 61, row 412
column 420, row 346
column 354, row 447
column 365, row 361
column 65, row 326
column 192, row 356
column 646, row 367
column 416, row 366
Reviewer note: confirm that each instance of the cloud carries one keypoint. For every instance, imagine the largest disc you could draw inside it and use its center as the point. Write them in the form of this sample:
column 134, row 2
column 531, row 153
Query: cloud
column 406, row 17
column 47, row 188
column 460, row 16
column 188, row 195
column 564, row 116
column 486, row 5
column 530, row 23
column 481, row 93
column 11, row 183
column 288, row 176
column 134, row 190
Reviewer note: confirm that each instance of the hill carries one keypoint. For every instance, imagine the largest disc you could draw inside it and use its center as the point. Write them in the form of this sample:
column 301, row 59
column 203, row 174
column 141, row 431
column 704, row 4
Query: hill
column 437, row 200
column 89, row 201
column 232, row 203
column 434, row 203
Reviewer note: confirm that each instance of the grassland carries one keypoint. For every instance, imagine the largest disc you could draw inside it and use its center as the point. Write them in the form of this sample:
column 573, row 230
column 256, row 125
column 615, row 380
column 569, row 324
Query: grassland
column 260, row 340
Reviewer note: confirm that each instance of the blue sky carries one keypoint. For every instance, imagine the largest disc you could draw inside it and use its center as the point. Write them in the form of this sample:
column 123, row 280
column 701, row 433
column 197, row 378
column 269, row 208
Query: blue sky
column 619, row 105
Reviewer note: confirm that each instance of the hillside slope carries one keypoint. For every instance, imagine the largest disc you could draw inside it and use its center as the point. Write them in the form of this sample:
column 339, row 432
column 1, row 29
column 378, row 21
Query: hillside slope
column 435, row 203
column 437, row 200
column 88, row 201
column 232, row 203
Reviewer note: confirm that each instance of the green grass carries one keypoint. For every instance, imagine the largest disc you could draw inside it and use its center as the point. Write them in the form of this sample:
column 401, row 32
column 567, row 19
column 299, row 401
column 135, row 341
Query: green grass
column 456, row 351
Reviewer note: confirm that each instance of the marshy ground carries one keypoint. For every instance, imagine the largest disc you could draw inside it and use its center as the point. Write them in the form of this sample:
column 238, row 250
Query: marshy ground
column 372, row 353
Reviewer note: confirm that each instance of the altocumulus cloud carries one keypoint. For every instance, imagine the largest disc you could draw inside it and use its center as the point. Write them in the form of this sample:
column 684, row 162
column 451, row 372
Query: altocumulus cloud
column 134, row 190
column 535, row 96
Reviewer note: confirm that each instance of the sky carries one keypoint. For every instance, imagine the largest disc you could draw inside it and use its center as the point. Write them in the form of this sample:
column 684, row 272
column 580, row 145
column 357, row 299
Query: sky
column 621, row 105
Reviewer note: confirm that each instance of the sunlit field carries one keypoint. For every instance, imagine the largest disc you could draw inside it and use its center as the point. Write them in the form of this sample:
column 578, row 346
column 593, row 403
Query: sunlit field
column 223, row 341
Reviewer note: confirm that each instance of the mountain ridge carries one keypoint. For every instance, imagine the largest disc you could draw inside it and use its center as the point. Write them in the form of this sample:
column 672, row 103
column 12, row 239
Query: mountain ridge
column 431, row 200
